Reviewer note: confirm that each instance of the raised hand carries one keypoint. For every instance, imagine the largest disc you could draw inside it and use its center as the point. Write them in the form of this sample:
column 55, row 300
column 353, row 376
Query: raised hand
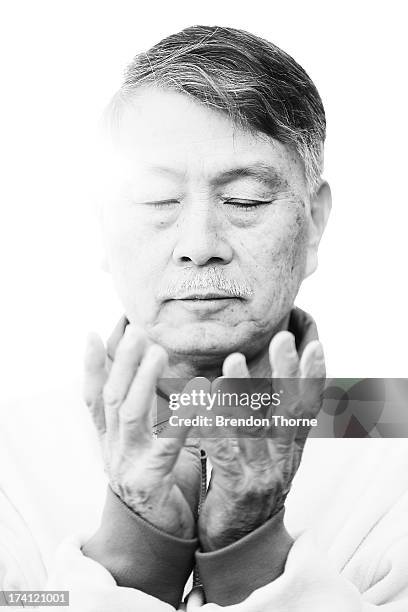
column 252, row 476
column 158, row 479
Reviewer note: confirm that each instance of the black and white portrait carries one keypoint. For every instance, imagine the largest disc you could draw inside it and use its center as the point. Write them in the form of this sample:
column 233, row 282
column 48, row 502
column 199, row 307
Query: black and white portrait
column 196, row 197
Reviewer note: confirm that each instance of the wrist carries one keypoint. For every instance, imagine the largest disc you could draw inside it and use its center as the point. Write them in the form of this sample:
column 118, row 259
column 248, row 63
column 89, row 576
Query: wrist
column 216, row 532
column 254, row 561
column 168, row 512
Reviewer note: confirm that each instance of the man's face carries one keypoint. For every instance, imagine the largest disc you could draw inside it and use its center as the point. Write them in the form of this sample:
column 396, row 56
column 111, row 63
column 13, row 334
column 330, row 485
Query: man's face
column 206, row 227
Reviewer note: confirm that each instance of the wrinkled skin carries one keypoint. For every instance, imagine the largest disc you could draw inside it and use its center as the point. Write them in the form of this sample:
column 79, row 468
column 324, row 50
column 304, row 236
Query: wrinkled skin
column 189, row 193
column 209, row 232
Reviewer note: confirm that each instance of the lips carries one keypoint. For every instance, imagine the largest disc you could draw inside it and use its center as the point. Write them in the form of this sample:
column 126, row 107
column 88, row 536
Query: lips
column 204, row 296
column 202, row 303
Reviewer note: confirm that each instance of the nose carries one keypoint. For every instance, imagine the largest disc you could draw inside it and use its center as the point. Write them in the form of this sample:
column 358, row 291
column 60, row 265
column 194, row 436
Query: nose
column 202, row 238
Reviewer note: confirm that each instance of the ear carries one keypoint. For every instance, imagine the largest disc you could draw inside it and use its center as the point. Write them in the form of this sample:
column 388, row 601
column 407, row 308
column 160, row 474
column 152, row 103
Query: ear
column 320, row 206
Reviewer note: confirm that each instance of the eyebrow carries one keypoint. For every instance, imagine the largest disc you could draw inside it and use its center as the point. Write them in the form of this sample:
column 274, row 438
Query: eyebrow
column 260, row 171
column 264, row 173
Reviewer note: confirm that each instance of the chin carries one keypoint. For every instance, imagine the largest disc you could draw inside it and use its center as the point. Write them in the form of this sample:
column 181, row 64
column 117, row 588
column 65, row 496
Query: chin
column 207, row 341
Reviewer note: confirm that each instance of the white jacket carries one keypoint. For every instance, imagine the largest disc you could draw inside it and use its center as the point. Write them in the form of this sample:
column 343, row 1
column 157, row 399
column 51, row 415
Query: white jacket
column 347, row 510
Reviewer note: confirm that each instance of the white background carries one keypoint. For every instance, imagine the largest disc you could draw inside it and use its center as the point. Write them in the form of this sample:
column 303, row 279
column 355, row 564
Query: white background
column 61, row 62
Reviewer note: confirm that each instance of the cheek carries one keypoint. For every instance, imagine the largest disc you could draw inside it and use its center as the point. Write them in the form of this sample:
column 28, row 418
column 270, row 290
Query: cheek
column 276, row 261
column 289, row 247
column 136, row 262
column 130, row 241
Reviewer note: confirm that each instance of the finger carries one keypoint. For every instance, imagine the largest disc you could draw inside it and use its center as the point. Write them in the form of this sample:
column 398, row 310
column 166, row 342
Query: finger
column 127, row 358
column 283, row 356
column 312, row 378
column 312, row 363
column 236, row 380
column 115, row 337
column 284, row 362
column 198, row 388
column 254, row 450
column 165, row 450
column 128, row 355
column 135, row 414
column 313, row 373
column 95, row 375
column 235, row 366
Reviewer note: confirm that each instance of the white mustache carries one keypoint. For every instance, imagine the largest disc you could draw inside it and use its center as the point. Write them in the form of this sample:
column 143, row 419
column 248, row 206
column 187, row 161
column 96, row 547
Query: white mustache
column 211, row 280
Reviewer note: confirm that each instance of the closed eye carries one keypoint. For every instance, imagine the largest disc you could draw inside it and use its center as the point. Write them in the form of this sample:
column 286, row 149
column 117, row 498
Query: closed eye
column 162, row 203
column 246, row 204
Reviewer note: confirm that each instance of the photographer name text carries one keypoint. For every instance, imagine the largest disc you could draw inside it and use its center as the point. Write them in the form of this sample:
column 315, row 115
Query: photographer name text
column 250, row 421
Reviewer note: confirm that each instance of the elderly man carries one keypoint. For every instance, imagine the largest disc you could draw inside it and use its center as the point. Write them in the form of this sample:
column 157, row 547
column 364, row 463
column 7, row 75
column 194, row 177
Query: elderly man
column 213, row 210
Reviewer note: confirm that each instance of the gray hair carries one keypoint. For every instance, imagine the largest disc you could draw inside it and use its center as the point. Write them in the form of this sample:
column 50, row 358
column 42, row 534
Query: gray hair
column 257, row 84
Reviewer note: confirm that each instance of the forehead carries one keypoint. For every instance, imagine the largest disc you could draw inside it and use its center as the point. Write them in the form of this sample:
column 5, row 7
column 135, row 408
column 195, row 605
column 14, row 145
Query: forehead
column 166, row 131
